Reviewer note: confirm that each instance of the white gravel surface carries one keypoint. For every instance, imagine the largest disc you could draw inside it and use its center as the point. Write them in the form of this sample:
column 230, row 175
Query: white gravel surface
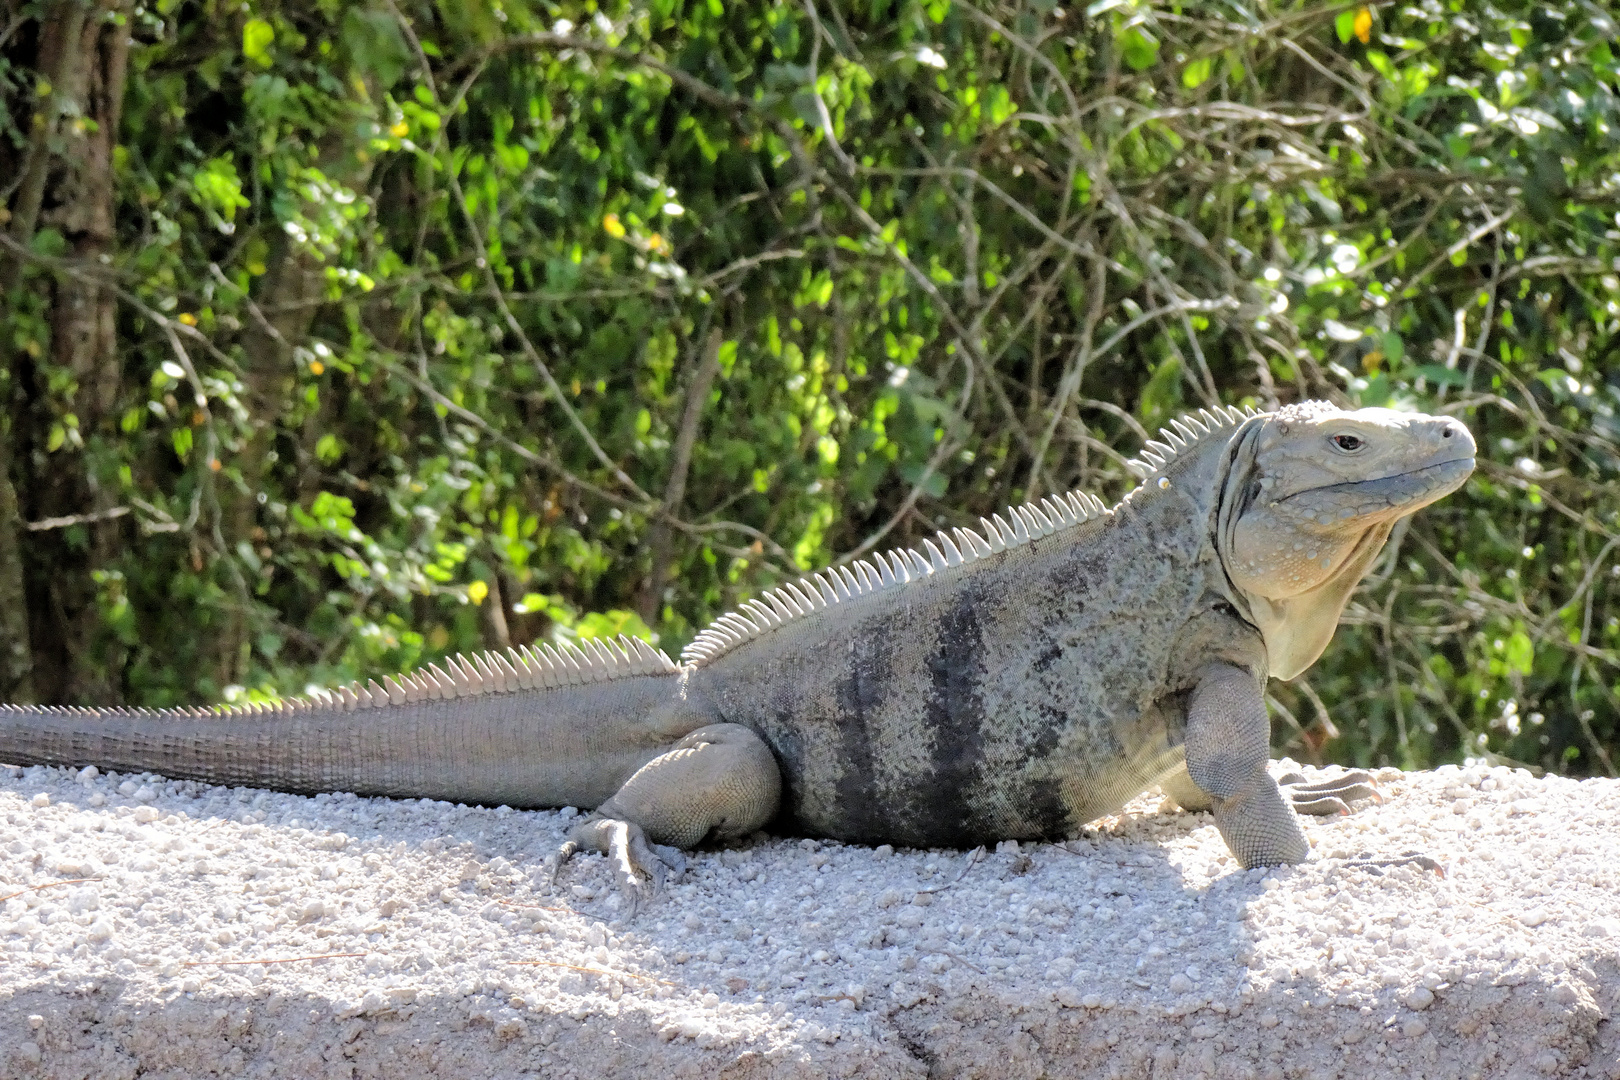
column 175, row 930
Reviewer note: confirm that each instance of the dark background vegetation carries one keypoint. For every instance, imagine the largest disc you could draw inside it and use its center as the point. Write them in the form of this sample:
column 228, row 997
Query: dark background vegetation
column 339, row 336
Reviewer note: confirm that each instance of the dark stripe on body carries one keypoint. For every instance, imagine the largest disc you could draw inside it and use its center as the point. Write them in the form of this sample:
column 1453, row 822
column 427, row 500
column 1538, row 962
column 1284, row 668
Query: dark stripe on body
column 955, row 783
column 861, row 801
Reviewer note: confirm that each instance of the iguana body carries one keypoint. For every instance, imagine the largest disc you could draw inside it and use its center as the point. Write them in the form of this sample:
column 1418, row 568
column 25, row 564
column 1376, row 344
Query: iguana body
column 1008, row 684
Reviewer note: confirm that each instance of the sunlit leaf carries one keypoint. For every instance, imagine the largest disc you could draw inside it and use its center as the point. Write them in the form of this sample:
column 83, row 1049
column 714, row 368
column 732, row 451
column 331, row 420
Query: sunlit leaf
column 257, row 37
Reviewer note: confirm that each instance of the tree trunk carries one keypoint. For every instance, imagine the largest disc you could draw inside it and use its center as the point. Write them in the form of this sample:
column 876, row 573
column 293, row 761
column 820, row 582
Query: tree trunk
column 16, row 656
column 84, row 53
column 661, row 536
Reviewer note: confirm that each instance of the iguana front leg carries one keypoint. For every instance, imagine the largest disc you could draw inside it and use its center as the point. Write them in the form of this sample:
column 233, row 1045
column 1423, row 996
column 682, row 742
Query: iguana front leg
column 1228, row 744
column 719, row 782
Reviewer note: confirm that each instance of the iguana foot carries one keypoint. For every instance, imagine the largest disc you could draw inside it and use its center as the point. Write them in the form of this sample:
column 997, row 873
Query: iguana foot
column 641, row 866
column 1333, row 795
column 717, row 783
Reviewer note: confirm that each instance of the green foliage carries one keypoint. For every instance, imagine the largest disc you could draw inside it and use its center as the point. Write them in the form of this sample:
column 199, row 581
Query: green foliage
column 957, row 255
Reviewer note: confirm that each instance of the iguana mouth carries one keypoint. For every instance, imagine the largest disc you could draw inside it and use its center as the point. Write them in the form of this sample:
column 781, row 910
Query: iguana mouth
column 1397, row 490
column 1439, row 468
column 1381, row 496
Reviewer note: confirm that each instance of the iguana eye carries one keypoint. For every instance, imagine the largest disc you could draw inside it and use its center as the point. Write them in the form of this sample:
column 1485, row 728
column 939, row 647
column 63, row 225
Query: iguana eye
column 1349, row 443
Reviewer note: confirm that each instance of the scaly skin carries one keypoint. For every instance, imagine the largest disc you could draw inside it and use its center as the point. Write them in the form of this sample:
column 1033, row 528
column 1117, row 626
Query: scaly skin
column 1018, row 694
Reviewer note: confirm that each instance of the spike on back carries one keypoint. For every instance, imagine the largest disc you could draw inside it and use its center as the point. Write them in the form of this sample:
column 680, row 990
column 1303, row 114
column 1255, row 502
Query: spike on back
column 945, row 551
column 481, row 673
column 1184, row 433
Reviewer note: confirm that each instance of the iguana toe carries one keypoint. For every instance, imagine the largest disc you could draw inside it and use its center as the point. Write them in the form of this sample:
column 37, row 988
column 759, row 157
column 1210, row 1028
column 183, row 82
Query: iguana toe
column 673, row 857
column 1333, row 795
column 640, row 866
column 554, row 864
column 1378, row 864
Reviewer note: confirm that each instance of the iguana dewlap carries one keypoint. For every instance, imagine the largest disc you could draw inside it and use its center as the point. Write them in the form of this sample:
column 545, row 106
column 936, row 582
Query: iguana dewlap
column 1013, row 682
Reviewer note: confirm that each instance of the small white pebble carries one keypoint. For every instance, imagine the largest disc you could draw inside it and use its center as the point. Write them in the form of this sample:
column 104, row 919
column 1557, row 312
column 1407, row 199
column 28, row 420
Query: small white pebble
column 1180, row 984
column 146, row 814
column 1414, row 1029
column 1419, row 999
column 35, row 1022
column 41, row 801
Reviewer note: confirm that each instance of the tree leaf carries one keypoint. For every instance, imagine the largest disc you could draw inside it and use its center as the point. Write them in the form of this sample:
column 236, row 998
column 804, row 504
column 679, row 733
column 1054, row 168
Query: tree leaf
column 1345, row 26
column 1441, row 376
column 1520, row 654
column 257, row 37
column 1140, row 48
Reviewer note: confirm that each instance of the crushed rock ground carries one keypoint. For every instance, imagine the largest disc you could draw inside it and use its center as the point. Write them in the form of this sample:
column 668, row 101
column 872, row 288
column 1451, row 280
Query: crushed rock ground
column 163, row 929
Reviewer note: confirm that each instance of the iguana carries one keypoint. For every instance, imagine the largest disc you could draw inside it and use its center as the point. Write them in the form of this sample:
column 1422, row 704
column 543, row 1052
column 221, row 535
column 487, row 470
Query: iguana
column 1013, row 682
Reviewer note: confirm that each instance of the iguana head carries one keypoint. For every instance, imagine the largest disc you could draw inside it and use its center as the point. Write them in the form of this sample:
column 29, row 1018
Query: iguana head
column 1311, row 498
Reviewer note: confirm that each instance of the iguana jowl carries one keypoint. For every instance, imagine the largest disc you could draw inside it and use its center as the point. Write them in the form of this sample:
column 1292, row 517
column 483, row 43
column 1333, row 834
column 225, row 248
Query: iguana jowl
column 1010, row 683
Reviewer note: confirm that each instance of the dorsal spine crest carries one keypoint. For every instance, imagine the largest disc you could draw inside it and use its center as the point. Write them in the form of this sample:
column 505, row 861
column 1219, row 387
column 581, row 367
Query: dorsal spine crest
column 522, row 668
column 948, row 549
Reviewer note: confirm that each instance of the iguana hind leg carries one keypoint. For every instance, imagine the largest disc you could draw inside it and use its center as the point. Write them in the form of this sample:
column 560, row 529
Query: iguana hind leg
column 720, row 782
column 1228, row 745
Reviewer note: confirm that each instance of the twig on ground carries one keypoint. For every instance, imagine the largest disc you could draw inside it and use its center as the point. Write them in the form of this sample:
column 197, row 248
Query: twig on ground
column 281, row 960
column 47, row 885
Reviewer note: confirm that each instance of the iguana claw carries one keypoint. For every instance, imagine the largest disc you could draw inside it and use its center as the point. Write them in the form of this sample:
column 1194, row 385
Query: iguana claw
column 1328, row 797
column 642, row 867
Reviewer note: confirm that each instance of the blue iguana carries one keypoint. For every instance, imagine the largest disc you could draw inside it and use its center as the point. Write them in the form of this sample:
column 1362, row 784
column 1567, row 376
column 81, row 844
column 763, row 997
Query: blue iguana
column 1010, row 682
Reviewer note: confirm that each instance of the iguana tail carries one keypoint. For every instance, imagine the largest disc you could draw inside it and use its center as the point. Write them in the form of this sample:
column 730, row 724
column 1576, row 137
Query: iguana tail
column 529, row 727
